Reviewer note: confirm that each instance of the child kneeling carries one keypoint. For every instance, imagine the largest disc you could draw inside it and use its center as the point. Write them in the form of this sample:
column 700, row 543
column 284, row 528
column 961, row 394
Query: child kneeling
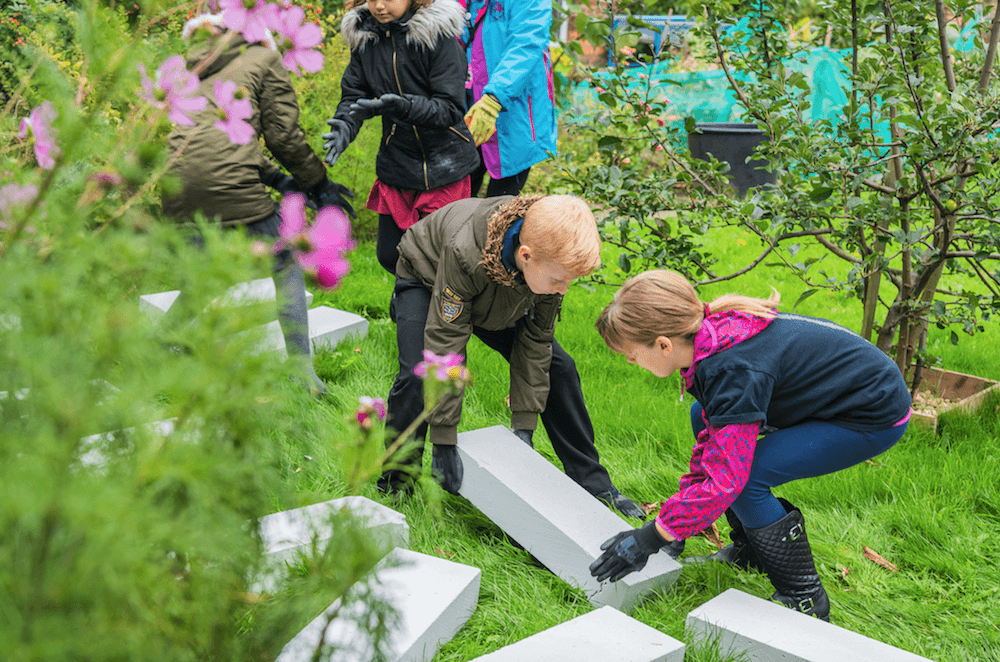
column 497, row 269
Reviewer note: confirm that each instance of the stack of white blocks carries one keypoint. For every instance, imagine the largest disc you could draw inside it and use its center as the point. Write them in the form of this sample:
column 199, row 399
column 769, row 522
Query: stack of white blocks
column 433, row 597
column 327, row 326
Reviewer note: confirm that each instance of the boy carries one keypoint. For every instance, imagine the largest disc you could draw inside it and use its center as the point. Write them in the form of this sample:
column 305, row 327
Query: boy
column 497, row 268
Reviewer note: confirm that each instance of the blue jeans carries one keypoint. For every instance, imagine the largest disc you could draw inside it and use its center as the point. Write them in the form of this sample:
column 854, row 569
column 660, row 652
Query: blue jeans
column 806, row 450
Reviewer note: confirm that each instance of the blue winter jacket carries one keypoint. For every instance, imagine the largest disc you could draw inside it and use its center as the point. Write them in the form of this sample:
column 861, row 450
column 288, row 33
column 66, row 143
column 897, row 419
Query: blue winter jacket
column 509, row 58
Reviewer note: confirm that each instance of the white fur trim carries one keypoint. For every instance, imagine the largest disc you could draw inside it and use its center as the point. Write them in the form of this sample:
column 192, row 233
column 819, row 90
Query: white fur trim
column 426, row 26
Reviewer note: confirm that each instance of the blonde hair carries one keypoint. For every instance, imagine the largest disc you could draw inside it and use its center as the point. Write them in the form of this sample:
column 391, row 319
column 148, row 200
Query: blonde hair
column 414, row 4
column 663, row 303
column 562, row 229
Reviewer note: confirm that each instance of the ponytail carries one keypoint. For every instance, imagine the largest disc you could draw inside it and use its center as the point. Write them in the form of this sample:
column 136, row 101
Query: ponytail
column 663, row 303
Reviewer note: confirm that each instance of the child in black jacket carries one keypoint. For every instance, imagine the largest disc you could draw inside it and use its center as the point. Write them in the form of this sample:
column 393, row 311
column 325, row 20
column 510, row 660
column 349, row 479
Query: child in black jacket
column 407, row 66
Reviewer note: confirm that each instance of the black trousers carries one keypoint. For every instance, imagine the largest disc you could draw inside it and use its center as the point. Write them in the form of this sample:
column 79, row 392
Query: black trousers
column 565, row 417
column 511, row 185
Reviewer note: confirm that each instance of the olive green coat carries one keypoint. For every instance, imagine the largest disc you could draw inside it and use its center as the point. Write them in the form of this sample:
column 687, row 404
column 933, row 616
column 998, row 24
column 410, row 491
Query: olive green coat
column 223, row 179
column 445, row 252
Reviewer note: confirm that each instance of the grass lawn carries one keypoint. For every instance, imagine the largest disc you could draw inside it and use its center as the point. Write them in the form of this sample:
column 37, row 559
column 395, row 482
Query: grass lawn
column 930, row 505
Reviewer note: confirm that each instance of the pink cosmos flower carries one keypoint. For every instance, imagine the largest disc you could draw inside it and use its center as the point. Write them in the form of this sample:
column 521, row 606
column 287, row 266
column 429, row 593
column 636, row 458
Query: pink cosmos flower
column 319, row 249
column 172, row 89
column 39, row 124
column 247, row 16
column 11, row 195
column 447, row 368
column 295, row 40
column 368, row 408
column 234, row 108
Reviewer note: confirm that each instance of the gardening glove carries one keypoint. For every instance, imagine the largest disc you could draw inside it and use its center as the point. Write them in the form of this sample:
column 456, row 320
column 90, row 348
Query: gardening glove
column 446, row 467
column 525, row 436
column 390, row 104
column 282, row 183
column 337, row 140
column 615, row 499
column 329, row 192
column 482, row 118
column 627, row 552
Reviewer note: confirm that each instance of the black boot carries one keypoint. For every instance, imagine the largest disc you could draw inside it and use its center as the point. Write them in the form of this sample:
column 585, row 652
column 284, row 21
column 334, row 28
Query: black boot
column 739, row 553
column 401, row 470
column 784, row 552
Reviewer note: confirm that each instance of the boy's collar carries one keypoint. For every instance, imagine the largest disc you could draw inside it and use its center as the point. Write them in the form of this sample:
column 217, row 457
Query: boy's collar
column 511, row 242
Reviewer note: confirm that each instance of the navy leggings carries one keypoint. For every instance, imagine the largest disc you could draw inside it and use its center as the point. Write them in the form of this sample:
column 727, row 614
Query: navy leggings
column 802, row 451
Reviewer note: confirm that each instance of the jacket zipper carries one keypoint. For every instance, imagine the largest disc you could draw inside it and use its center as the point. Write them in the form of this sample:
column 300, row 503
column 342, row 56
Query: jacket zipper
column 459, row 134
column 399, row 87
column 392, row 132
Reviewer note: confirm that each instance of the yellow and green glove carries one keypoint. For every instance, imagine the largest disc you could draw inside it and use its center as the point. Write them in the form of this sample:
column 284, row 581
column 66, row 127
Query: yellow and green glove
column 482, row 118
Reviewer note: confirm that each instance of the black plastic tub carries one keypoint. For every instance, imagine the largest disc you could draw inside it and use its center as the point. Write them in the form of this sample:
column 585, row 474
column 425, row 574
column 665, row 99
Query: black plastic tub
column 733, row 143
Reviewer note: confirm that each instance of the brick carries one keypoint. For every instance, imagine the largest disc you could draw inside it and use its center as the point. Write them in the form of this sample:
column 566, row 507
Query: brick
column 765, row 631
column 289, row 533
column 559, row 522
column 433, row 597
column 601, row 635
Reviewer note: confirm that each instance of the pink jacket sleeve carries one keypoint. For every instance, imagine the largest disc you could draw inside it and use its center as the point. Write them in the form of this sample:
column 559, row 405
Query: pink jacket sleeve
column 719, row 470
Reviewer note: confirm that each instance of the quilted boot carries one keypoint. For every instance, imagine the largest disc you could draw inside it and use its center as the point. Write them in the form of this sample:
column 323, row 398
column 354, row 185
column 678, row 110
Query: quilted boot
column 739, row 552
column 402, row 469
column 784, row 553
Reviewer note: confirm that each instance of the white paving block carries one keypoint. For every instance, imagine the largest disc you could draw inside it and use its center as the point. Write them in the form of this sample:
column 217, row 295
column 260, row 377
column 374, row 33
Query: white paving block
column 328, row 326
column 603, row 634
column 251, row 292
column 551, row 516
column 287, row 534
column 93, row 450
column 768, row 632
column 433, row 598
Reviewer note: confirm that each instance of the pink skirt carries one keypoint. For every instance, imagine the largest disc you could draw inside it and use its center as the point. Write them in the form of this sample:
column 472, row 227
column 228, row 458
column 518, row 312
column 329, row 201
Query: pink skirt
column 407, row 207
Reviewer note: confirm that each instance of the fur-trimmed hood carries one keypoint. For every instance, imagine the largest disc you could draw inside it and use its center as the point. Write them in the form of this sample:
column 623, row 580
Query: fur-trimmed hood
column 443, row 18
column 500, row 221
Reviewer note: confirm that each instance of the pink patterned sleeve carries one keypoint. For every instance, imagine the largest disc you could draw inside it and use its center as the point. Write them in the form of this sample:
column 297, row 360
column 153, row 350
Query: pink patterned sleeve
column 720, row 467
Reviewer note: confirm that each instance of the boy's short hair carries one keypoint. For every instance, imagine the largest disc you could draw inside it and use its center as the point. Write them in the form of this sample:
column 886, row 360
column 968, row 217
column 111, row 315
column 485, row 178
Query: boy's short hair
column 562, row 229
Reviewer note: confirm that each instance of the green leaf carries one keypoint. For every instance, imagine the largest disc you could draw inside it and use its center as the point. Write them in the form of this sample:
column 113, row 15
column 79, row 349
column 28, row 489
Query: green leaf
column 954, row 338
column 624, row 264
column 805, row 295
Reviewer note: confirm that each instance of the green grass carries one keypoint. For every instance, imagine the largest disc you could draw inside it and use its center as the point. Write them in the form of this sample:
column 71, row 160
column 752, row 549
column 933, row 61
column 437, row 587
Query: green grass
column 931, row 504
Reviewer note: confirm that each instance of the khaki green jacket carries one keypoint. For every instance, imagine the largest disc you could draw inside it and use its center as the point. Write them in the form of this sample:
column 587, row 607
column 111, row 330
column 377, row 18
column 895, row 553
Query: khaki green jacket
column 222, row 179
column 445, row 252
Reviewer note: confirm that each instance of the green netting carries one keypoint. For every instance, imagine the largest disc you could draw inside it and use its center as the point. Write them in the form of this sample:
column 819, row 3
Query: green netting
column 706, row 96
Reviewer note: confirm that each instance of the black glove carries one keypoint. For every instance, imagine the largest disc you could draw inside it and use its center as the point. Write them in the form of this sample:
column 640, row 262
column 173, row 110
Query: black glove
column 329, row 192
column 337, row 139
column 627, row 552
column 446, row 467
column 391, row 104
column 525, row 436
column 282, row 183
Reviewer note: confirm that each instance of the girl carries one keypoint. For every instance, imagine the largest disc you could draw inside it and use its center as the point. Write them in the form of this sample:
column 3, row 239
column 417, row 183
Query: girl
column 826, row 398
column 407, row 66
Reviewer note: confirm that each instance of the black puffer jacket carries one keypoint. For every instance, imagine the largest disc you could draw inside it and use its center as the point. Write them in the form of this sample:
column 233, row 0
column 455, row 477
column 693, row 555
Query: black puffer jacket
column 417, row 57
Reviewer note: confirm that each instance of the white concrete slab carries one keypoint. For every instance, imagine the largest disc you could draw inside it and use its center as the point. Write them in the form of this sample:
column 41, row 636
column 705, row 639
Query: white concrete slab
column 290, row 533
column 433, row 598
column 94, row 452
column 599, row 636
column 328, row 326
column 551, row 516
column 260, row 290
column 768, row 632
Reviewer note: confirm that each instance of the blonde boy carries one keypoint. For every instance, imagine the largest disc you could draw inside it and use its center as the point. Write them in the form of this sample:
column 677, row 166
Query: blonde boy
column 497, row 269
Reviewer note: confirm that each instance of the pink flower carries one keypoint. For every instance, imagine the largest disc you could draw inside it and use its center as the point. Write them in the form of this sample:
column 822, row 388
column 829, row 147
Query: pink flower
column 296, row 40
column 39, row 124
column 367, row 408
column 172, row 89
column 320, row 249
column 247, row 16
column 11, row 195
column 234, row 108
column 447, row 368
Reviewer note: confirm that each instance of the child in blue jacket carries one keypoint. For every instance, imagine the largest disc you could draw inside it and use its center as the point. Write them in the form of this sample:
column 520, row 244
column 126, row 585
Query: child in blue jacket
column 829, row 400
